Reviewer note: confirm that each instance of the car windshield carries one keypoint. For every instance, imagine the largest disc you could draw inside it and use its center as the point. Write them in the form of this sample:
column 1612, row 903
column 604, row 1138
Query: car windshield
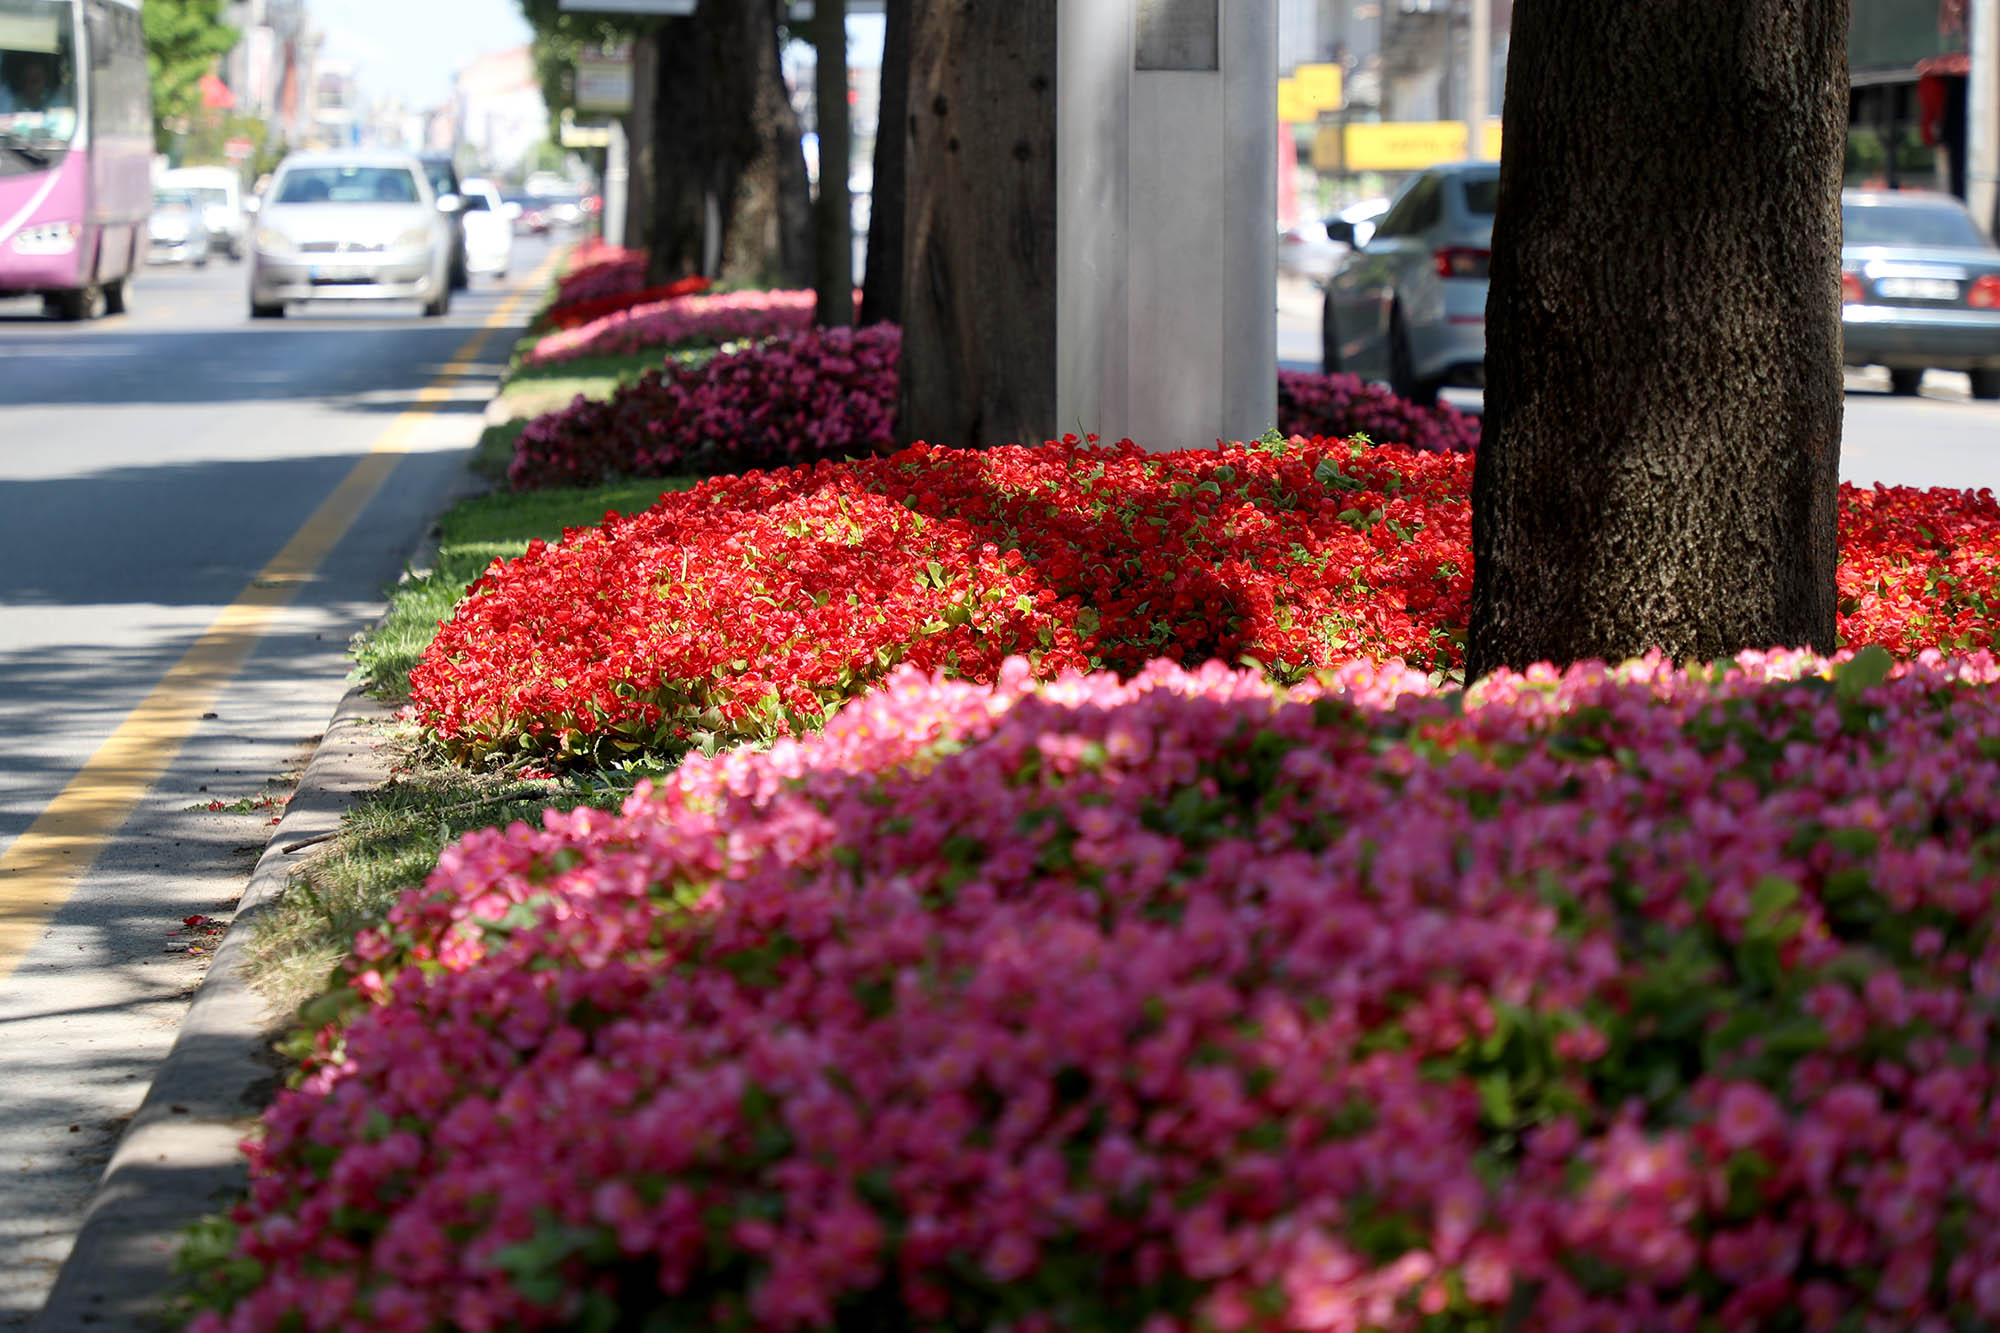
column 475, row 202
column 209, row 196
column 172, row 201
column 37, row 73
column 1482, row 195
column 1909, row 224
column 347, row 185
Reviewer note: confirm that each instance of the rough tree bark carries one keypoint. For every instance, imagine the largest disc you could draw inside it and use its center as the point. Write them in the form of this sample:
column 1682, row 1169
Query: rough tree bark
column 730, row 191
column 639, row 139
column 833, row 233
column 882, row 287
column 979, row 267
column 1663, row 416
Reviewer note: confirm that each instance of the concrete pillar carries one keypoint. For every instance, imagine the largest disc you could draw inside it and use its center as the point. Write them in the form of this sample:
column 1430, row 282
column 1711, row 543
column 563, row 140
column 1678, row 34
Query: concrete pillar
column 1166, row 245
column 1982, row 111
column 1478, row 77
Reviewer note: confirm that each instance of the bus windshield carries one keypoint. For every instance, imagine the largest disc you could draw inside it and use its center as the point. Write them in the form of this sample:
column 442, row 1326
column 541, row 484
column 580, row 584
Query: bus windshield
column 37, row 74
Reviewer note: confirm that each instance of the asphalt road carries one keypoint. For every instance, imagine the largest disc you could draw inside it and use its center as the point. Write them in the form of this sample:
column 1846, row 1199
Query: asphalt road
column 1939, row 438
column 156, row 470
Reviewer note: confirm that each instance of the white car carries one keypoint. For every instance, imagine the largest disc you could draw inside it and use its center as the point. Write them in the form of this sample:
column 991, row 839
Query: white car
column 489, row 227
column 351, row 226
column 218, row 192
column 174, row 233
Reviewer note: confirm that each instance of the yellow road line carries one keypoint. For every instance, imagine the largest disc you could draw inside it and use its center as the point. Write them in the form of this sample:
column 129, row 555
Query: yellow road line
column 42, row 867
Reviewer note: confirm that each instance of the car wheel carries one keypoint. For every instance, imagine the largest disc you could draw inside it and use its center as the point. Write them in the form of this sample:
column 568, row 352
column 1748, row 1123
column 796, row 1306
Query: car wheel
column 1329, row 339
column 261, row 311
column 1905, row 381
column 201, row 260
column 1985, row 383
column 440, row 307
column 1403, row 381
column 114, row 297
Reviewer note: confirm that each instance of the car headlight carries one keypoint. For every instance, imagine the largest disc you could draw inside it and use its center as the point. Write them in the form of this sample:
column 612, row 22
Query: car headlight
column 413, row 238
column 47, row 238
column 273, row 241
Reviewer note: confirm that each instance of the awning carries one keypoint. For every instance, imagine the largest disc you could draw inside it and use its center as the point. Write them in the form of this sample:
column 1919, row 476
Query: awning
column 215, row 94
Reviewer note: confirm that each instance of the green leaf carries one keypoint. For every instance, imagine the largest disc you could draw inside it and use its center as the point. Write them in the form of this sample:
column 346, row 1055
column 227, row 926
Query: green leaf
column 1863, row 671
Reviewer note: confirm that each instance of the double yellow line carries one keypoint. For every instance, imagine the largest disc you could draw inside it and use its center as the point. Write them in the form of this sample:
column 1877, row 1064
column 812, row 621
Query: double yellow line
column 42, row 868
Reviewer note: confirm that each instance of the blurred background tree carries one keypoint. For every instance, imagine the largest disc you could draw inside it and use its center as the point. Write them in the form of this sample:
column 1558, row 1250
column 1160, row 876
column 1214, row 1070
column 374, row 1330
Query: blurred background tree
column 183, row 40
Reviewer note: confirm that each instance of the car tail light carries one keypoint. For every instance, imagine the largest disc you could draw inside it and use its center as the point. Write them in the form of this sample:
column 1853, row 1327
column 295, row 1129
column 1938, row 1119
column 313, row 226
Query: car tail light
column 1851, row 291
column 1458, row 262
column 1985, row 293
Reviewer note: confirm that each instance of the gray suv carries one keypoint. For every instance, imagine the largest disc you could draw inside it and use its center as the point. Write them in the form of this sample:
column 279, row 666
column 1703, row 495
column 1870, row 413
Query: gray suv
column 1409, row 307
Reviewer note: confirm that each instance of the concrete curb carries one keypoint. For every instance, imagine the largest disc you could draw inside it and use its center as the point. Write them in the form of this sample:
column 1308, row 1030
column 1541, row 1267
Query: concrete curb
column 179, row 1159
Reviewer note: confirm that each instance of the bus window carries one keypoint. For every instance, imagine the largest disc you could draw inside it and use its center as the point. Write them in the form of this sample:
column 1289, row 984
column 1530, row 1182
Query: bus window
column 38, row 77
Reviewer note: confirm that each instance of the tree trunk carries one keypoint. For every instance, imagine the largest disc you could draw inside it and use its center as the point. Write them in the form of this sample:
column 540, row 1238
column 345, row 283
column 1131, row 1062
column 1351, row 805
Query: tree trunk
column 882, row 289
column 639, row 140
column 833, row 270
column 731, row 197
column 1661, row 456
column 979, row 271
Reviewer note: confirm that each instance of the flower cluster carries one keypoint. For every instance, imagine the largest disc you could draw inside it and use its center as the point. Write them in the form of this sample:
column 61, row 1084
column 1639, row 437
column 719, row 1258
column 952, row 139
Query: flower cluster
column 679, row 321
column 575, row 313
column 813, row 395
column 1344, row 406
column 594, row 269
column 748, row 606
column 1587, row 1003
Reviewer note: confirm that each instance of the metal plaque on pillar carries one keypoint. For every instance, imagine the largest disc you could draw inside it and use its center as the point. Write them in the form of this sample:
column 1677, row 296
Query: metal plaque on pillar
column 1177, row 34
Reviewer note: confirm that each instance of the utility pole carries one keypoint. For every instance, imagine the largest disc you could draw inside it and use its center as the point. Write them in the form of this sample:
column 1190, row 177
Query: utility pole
column 1982, row 111
column 1478, row 77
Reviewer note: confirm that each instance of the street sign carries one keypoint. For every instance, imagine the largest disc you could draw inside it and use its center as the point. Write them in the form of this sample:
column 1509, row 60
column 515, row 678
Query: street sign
column 1293, row 109
column 1412, row 145
column 572, row 135
column 662, row 8
column 604, row 85
column 236, row 150
column 1320, row 85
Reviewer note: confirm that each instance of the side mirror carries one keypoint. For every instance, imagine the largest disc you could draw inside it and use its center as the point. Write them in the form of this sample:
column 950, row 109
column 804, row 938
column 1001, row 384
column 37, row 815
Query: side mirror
column 251, row 203
column 1340, row 230
column 510, row 210
column 450, row 203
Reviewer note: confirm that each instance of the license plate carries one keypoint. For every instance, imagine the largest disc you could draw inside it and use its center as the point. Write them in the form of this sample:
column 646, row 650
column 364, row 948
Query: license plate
column 1918, row 289
column 336, row 273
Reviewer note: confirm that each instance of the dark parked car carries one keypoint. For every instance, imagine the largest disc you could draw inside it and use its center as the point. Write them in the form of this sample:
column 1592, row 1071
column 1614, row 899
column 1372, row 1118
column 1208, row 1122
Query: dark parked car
column 1920, row 288
column 444, row 184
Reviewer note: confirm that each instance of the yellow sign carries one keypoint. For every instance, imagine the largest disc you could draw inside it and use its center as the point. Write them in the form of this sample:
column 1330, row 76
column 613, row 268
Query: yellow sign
column 1292, row 107
column 1413, row 145
column 1320, row 85
column 1326, row 155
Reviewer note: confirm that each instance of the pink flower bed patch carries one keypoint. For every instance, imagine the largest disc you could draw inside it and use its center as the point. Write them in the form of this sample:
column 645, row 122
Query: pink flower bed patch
column 682, row 320
column 1345, row 405
column 1622, row 999
column 794, row 399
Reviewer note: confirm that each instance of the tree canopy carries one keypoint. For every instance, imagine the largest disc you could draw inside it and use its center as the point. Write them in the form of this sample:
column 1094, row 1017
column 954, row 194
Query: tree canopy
column 183, row 38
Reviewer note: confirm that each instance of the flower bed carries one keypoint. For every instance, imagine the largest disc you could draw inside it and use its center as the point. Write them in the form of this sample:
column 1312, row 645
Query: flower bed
column 809, row 396
column 595, row 270
column 717, row 318
column 812, row 395
column 746, row 607
column 1623, row 1000
column 1344, row 406
column 575, row 313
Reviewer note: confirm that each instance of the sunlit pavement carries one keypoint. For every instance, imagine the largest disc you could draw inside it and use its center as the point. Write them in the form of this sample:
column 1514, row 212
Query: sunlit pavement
column 151, row 465
column 1942, row 437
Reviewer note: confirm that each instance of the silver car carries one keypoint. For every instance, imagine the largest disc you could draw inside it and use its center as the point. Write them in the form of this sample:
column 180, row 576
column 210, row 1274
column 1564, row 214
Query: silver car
column 351, row 226
column 1919, row 287
column 1409, row 306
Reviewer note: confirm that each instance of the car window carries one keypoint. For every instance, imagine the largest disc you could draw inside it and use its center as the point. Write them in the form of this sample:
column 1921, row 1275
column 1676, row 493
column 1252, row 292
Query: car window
column 1482, row 194
column 475, row 202
column 1903, row 224
column 1416, row 211
column 347, row 185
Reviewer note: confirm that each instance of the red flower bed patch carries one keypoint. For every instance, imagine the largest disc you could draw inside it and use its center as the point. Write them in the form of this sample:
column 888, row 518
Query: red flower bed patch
column 1616, row 1002
column 749, row 606
column 798, row 399
column 570, row 314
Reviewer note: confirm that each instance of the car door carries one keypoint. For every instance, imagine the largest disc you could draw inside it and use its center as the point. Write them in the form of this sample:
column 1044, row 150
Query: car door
column 1362, row 294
